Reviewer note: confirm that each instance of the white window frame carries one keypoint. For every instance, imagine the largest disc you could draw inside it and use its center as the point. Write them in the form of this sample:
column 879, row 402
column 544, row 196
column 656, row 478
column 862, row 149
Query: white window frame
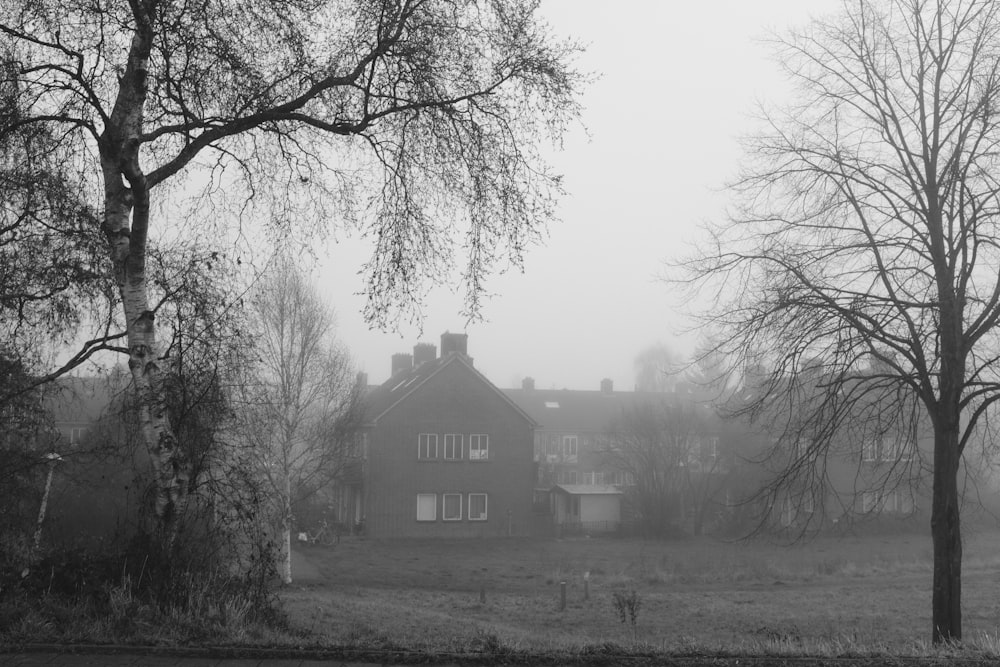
column 424, row 441
column 76, row 435
column 479, row 447
column 424, row 518
column 444, row 506
column 486, row 501
column 710, row 447
column 453, row 439
column 571, row 446
column 870, row 450
column 572, row 476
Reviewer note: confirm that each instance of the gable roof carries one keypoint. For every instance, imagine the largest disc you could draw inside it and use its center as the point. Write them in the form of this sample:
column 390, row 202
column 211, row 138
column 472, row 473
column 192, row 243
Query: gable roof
column 584, row 411
column 390, row 393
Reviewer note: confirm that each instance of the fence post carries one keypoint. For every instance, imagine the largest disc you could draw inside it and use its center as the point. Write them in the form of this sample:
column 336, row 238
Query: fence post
column 562, row 596
column 586, row 585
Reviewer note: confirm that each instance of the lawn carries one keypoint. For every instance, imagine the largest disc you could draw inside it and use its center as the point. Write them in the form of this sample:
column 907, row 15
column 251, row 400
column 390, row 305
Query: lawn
column 828, row 595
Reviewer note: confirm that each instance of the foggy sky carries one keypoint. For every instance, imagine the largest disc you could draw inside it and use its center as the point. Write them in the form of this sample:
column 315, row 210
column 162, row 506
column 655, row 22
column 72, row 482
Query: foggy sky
column 679, row 84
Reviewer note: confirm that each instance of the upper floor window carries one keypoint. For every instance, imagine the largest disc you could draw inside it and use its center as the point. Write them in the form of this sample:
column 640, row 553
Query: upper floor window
column 453, row 446
column 709, row 447
column 888, row 448
column 427, row 446
column 76, row 435
column 571, row 445
column 479, row 447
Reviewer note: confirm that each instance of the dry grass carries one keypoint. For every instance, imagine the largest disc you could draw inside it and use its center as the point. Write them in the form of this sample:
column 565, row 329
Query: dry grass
column 827, row 597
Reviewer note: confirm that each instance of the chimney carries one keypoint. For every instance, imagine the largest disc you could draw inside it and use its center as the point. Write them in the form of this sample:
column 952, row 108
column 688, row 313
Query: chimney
column 607, row 386
column 423, row 352
column 363, row 380
column 528, row 384
column 454, row 342
column 401, row 362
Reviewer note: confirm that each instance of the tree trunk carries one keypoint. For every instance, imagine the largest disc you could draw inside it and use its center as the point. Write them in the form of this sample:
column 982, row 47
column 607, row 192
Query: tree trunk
column 286, row 531
column 126, row 228
column 947, row 538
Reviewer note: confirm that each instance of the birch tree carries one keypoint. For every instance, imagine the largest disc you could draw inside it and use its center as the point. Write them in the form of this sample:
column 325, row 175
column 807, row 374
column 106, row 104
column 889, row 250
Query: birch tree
column 300, row 401
column 418, row 121
column 864, row 248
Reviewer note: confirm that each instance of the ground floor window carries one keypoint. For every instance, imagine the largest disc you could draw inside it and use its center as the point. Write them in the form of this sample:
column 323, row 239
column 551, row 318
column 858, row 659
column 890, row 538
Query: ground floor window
column 452, row 507
column 426, row 506
column 477, row 507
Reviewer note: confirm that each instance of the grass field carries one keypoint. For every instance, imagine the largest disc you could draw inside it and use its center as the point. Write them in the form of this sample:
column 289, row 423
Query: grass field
column 868, row 594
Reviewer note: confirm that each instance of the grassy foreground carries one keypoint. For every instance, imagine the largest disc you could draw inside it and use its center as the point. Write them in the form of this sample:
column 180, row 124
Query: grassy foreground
column 854, row 595
column 866, row 597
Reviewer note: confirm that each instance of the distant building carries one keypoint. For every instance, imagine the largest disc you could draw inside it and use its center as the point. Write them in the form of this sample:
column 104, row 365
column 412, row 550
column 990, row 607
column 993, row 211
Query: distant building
column 584, row 482
column 447, row 453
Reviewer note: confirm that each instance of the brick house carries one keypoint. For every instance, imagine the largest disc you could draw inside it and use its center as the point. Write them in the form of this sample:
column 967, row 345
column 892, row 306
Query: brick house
column 581, row 484
column 447, row 453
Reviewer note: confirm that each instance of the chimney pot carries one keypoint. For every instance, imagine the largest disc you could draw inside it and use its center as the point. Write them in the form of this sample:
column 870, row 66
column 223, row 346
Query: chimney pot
column 528, row 384
column 424, row 352
column 401, row 362
column 454, row 342
column 607, row 386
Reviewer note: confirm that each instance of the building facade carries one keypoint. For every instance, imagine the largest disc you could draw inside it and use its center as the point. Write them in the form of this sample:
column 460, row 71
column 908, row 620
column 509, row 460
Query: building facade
column 447, row 453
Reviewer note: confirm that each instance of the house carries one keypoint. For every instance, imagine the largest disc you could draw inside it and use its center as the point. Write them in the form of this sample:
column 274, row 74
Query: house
column 589, row 479
column 447, row 453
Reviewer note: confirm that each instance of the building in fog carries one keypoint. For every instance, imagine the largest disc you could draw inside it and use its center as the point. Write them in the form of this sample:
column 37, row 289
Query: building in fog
column 601, row 454
column 448, row 454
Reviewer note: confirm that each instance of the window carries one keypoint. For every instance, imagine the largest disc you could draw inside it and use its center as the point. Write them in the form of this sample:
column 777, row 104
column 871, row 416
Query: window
column 76, row 435
column 453, row 446
column 588, row 478
column 710, row 447
column 426, row 507
column 477, row 507
column 571, row 446
column 479, row 447
column 427, row 446
column 571, row 477
column 871, row 447
column 452, row 510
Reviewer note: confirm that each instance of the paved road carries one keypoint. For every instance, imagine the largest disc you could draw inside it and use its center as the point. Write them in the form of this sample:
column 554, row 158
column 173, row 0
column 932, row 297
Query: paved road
column 53, row 658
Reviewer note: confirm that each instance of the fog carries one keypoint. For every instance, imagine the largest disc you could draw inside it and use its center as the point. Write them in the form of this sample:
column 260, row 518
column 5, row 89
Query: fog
column 677, row 86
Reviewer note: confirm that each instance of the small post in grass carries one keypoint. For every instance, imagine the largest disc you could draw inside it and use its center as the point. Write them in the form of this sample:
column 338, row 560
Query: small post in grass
column 562, row 596
column 586, row 585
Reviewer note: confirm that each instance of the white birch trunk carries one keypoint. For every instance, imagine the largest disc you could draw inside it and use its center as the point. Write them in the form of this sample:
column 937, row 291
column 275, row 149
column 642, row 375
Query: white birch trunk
column 286, row 532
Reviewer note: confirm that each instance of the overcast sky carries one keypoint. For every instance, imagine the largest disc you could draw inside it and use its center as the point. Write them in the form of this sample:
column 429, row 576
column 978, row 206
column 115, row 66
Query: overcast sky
column 679, row 83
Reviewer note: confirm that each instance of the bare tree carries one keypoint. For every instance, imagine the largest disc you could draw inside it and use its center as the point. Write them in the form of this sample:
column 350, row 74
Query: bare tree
column 300, row 400
column 865, row 248
column 667, row 452
column 433, row 109
column 657, row 368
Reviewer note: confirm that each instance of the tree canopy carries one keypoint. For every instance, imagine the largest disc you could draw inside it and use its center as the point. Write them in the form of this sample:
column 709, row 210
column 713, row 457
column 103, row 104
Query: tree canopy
column 421, row 122
column 856, row 279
